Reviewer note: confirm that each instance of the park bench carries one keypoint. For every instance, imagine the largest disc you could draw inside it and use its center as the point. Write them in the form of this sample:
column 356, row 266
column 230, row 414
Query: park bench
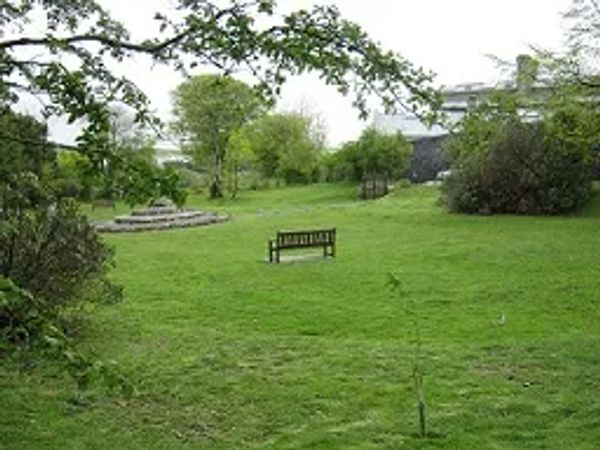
column 302, row 239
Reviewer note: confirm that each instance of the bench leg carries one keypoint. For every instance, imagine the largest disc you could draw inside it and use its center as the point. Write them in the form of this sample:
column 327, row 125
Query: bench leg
column 329, row 251
column 271, row 251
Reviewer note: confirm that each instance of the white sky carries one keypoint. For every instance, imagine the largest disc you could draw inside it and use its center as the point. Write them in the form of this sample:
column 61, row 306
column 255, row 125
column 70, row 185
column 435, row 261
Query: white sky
column 450, row 38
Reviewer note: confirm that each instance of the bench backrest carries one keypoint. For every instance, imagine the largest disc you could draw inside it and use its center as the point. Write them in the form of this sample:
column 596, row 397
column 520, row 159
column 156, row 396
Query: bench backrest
column 292, row 239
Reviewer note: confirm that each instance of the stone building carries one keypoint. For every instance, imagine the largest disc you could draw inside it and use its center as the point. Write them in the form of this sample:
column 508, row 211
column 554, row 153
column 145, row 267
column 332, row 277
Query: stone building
column 168, row 152
column 428, row 155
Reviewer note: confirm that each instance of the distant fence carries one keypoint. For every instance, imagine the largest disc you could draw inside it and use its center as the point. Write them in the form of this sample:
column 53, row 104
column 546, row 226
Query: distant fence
column 374, row 186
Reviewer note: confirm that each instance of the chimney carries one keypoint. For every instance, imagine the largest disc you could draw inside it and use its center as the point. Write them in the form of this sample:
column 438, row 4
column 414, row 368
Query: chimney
column 527, row 72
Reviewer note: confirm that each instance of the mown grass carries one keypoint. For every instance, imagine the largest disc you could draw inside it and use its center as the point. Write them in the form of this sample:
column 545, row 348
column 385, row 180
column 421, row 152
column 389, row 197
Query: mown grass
column 229, row 352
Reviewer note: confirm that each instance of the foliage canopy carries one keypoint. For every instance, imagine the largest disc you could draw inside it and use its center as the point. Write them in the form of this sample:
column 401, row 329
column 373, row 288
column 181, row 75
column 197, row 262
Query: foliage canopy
column 208, row 110
column 374, row 153
column 225, row 35
column 284, row 147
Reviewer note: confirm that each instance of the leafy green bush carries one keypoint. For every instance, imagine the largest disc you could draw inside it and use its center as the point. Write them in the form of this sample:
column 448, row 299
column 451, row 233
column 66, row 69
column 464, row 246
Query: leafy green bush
column 20, row 314
column 140, row 181
column 53, row 253
column 49, row 251
column 523, row 173
column 336, row 166
column 52, row 261
column 373, row 153
column 25, row 325
column 502, row 163
column 284, row 148
column 71, row 178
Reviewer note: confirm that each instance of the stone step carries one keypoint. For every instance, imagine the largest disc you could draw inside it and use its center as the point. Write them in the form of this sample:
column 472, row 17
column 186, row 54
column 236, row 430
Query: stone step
column 177, row 216
column 155, row 211
column 200, row 220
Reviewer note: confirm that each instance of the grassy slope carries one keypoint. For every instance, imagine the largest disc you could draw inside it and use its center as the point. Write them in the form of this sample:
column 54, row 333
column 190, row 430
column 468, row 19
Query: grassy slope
column 230, row 352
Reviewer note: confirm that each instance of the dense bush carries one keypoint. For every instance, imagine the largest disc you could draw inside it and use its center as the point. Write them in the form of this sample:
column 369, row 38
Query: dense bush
column 131, row 175
column 503, row 162
column 51, row 258
column 284, row 148
column 53, row 253
column 72, row 177
column 24, row 146
column 523, row 172
column 52, row 261
column 138, row 181
column 372, row 153
column 20, row 315
column 596, row 163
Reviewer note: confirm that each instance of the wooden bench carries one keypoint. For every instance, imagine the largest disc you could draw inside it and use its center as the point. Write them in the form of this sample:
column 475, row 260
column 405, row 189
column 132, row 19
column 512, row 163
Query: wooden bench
column 302, row 239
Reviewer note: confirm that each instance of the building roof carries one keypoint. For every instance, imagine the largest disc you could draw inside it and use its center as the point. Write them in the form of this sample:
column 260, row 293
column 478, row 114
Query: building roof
column 410, row 126
column 457, row 101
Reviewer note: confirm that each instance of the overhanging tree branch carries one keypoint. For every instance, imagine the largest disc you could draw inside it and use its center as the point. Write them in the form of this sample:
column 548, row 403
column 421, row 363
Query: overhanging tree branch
column 317, row 40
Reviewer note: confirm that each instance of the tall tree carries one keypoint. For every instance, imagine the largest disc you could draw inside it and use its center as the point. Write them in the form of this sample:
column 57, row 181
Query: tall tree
column 208, row 109
column 284, row 147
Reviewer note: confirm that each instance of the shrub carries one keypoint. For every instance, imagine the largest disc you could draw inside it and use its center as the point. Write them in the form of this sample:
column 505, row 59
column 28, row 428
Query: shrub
column 54, row 253
column 503, row 164
column 284, row 148
column 403, row 183
column 335, row 166
column 373, row 153
column 23, row 322
column 72, row 176
column 20, row 316
column 52, row 260
column 69, row 188
column 140, row 181
column 51, row 257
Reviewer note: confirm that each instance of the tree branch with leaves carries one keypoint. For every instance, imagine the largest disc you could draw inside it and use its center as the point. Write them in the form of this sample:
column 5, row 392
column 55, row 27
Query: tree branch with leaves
column 228, row 38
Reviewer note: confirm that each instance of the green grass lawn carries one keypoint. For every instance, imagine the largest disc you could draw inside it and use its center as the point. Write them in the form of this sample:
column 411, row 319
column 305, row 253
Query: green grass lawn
column 229, row 352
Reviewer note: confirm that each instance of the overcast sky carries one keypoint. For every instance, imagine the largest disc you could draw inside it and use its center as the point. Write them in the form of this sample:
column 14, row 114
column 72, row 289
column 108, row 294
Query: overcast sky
column 451, row 38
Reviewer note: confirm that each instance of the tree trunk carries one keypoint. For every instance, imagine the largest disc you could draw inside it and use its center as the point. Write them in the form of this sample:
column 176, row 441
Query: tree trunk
column 216, row 190
column 234, row 188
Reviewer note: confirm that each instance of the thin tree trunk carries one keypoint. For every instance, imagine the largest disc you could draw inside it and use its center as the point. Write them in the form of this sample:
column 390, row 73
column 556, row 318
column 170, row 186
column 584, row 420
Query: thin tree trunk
column 235, row 180
column 216, row 190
